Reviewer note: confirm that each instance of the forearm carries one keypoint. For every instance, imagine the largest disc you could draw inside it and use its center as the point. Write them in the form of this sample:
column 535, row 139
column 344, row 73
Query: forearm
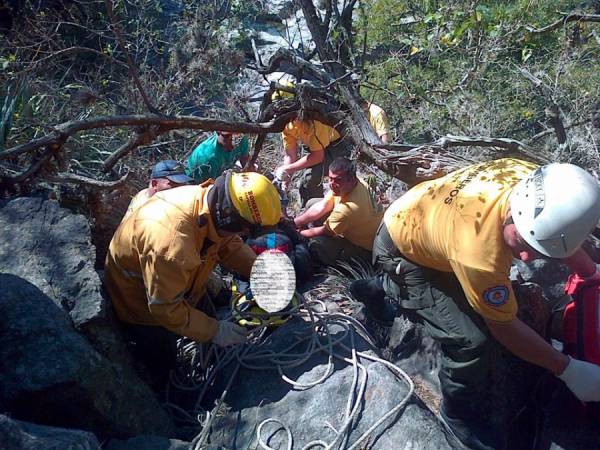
column 183, row 319
column 313, row 213
column 299, row 164
column 525, row 343
column 236, row 256
column 290, row 156
column 316, row 231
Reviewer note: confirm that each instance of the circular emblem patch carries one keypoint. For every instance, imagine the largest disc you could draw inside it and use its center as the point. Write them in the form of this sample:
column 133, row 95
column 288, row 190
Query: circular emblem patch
column 496, row 296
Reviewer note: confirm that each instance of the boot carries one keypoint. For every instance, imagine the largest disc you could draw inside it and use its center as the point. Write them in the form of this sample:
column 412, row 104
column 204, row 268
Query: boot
column 371, row 294
column 471, row 432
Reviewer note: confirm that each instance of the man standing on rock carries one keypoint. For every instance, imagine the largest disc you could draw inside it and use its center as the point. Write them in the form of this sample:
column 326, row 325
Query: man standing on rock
column 445, row 249
column 159, row 261
column 216, row 154
column 349, row 213
column 324, row 145
column 166, row 174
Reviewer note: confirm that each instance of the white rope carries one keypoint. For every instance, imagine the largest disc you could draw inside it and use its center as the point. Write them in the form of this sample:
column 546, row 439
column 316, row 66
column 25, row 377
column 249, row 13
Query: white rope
column 282, row 426
column 316, row 338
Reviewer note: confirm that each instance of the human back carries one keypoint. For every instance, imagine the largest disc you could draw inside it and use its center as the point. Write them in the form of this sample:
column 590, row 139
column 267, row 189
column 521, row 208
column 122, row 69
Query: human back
column 457, row 217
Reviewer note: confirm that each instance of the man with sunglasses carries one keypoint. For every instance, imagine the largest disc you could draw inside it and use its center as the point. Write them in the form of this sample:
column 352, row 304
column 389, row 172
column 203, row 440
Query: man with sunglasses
column 445, row 249
column 216, row 154
column 159, row 261
column 349, row 213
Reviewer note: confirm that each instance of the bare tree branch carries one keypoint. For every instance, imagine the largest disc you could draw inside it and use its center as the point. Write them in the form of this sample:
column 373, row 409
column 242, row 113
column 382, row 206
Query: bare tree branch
column 5, row 182
column 568, row 17
column 68, row 51
column 545, row 133
column 67, row 129
column 144, row 138
column 84, row 181
column 132, row 71
column 553, row 112
column 286, row 61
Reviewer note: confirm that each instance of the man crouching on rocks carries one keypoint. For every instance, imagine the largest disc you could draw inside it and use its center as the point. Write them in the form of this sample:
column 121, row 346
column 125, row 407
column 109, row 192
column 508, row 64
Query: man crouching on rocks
column 445, row 249
column 160, row 258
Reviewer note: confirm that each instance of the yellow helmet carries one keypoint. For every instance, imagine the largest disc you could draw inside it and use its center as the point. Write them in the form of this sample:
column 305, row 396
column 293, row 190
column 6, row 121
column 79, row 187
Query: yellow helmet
column 282, row 95
column 255, row 198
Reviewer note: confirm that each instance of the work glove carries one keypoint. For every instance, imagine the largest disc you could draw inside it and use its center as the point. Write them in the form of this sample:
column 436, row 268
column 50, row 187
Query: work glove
column 282, row 178
column 583, row 378
column 229, row 333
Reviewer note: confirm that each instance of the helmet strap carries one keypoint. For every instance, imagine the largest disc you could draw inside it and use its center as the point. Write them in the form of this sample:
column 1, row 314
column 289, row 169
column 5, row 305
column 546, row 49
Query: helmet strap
column 223, row 213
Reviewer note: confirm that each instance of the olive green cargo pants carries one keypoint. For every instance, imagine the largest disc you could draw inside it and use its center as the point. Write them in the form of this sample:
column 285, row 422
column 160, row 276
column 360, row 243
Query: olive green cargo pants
column 436, row 300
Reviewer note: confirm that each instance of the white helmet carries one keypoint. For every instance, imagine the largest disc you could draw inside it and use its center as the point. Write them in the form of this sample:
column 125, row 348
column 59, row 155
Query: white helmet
column 555, row 208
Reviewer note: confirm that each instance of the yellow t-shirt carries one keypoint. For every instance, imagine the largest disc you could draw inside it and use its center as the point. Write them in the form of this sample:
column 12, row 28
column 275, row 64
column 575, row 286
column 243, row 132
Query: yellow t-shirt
column 378, row 119
column 454, row 224
column 355, row 216
column 312, row 133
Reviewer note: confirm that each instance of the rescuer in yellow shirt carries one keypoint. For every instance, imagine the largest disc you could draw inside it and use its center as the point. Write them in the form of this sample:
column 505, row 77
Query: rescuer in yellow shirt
column 445, row 249
column 378, row 120
column 350, row 213
column 160, row 258
column 324, row 144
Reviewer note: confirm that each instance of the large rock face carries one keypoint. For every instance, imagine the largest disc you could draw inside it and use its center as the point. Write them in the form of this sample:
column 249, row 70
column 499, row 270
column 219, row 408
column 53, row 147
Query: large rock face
column 17, row 435
column 49, row 290
column 259, row 395
column 52, row 375
column 50, row 247
column 148, row 443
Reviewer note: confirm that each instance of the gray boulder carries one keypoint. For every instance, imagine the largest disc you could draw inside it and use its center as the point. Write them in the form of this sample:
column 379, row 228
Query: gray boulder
column 52, row 375
column 17, row 435
column 565, row 424
column 147, row 443
column 551, row 275
column 50, row 247
column 257, row 395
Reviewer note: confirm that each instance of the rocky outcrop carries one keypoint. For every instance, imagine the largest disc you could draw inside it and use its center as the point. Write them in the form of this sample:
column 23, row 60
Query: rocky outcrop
column 17, row 435
column 148, row 443
column 64, row 361
column 258, row 395
column 50, row 247
column 52, row 375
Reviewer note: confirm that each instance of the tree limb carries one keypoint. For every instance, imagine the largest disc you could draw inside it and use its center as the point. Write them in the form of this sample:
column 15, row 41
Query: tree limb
column 567, row 17
column 165, row 123
column 68, row 51
column 144, row 138
column 553, row 112
column 85, row 181
column 286, row 61
column 132, row 71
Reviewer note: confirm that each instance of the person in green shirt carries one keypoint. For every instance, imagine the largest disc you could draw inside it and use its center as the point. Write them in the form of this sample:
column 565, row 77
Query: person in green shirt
column 216, row 154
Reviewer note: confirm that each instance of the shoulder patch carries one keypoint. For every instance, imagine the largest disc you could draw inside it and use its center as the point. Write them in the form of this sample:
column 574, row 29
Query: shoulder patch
column 496, row 296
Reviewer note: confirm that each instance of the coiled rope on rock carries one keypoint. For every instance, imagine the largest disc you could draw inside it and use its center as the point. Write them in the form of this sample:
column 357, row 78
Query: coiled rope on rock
column 206, row 361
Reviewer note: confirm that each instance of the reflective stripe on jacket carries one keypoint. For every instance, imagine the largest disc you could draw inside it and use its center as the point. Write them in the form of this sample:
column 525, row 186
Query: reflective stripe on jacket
column 160, row 258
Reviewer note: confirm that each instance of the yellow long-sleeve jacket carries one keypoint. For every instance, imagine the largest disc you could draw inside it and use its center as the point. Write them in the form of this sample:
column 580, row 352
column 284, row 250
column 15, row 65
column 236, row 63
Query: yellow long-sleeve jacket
column 161, row 256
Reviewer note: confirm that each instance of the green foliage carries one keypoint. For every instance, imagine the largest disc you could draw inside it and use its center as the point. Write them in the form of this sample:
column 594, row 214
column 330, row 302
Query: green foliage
column 452, row 67
column 15, row 103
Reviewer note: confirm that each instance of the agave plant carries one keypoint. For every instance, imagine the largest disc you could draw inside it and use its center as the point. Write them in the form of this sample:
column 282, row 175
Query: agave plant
column 16, row 100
